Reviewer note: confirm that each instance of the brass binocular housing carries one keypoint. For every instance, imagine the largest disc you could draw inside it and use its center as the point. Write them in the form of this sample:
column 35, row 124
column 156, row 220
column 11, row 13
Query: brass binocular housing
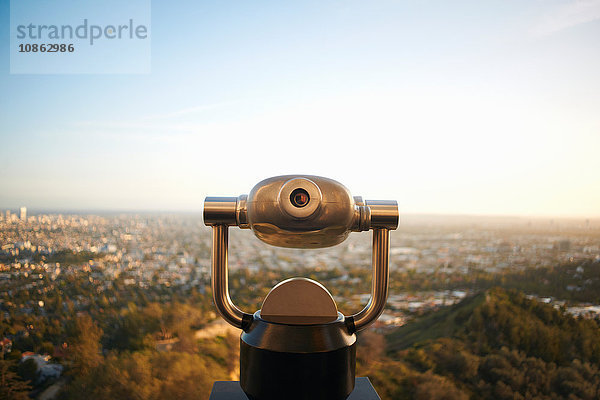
column 300, row 211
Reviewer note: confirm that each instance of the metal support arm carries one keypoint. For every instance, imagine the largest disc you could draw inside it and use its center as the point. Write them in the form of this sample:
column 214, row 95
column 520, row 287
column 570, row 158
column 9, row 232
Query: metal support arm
column 219, row 280
column 379, row 284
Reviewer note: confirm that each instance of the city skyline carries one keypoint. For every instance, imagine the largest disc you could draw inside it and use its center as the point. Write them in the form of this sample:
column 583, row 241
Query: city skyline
column 406, row 219
column 463, row 108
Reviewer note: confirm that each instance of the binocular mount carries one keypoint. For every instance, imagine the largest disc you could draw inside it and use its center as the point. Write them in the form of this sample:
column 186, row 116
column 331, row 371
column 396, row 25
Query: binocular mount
column 298, row 346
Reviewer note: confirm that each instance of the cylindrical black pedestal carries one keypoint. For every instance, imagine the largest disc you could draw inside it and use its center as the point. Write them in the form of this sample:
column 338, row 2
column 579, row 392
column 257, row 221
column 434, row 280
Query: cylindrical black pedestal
column 280, row 361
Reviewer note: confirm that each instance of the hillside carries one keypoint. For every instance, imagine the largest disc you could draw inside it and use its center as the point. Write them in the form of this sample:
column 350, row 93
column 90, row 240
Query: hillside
column 497, row 318
column 495, row 345
column 442, row 323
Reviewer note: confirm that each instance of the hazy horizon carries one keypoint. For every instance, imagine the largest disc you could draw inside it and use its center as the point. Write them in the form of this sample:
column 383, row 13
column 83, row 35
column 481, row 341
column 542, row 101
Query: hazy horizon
column 199, row 211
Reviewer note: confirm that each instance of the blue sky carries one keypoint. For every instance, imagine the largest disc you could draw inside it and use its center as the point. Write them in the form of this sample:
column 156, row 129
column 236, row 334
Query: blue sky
column 448, row 107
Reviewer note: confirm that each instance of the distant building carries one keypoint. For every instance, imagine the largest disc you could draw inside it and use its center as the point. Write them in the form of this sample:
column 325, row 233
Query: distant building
column 23, row 214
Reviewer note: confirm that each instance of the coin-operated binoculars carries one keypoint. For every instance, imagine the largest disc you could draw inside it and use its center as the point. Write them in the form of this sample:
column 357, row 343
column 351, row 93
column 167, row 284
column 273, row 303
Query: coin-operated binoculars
column 298, row 345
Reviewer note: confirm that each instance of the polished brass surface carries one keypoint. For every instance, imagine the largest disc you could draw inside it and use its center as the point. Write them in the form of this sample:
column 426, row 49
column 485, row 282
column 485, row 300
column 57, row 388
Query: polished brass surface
column 379, row 283
column 299, row 301
column 288, row 205
column 220, row 210
column 325, row 219
column 241, row 212
column 384, row 214
column 219, row 278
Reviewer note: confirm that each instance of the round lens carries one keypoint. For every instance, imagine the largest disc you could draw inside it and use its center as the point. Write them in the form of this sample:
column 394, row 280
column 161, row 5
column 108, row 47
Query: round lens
column 299, row 197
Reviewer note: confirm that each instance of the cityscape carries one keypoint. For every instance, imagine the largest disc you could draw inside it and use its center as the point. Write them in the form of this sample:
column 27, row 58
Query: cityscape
column 170, row 254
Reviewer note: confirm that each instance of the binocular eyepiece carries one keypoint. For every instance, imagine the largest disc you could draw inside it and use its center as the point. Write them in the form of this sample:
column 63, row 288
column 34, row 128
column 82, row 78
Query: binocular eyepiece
column 301, row 212
column 299, row 198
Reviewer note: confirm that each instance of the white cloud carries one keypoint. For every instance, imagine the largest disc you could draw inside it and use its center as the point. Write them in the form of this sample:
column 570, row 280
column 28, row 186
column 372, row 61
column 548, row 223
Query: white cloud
column 566, row 15
column 189, row 110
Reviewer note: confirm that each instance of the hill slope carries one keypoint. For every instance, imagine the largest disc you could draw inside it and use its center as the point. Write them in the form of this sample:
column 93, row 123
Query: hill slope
column 442, row 323
column 499, row 318
column 495, row 345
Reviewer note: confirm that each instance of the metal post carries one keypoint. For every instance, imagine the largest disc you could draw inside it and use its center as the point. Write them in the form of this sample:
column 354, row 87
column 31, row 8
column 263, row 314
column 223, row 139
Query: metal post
column 219, row 278
column 379, row 284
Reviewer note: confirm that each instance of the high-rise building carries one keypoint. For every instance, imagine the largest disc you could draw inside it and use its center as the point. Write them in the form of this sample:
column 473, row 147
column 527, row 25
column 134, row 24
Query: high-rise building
column 23, row 213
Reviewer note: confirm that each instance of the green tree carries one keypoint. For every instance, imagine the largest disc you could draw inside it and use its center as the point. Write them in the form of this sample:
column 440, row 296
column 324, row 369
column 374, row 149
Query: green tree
column 434, row 387
column 11, row 386
column 148, row 375
column 28, row 370
column 84, row 348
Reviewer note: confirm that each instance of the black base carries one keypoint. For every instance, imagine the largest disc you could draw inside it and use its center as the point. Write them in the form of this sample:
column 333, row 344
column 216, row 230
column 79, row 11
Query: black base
column 297, row 362
column 231, row 390
column 267, row 375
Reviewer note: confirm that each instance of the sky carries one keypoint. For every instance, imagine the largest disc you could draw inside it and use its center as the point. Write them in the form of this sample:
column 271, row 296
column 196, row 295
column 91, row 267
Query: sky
column 462, row 107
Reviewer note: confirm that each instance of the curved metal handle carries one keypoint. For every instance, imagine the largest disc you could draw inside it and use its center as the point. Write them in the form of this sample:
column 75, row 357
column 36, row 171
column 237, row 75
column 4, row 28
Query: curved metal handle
column 220, row 280
column 379, row 284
